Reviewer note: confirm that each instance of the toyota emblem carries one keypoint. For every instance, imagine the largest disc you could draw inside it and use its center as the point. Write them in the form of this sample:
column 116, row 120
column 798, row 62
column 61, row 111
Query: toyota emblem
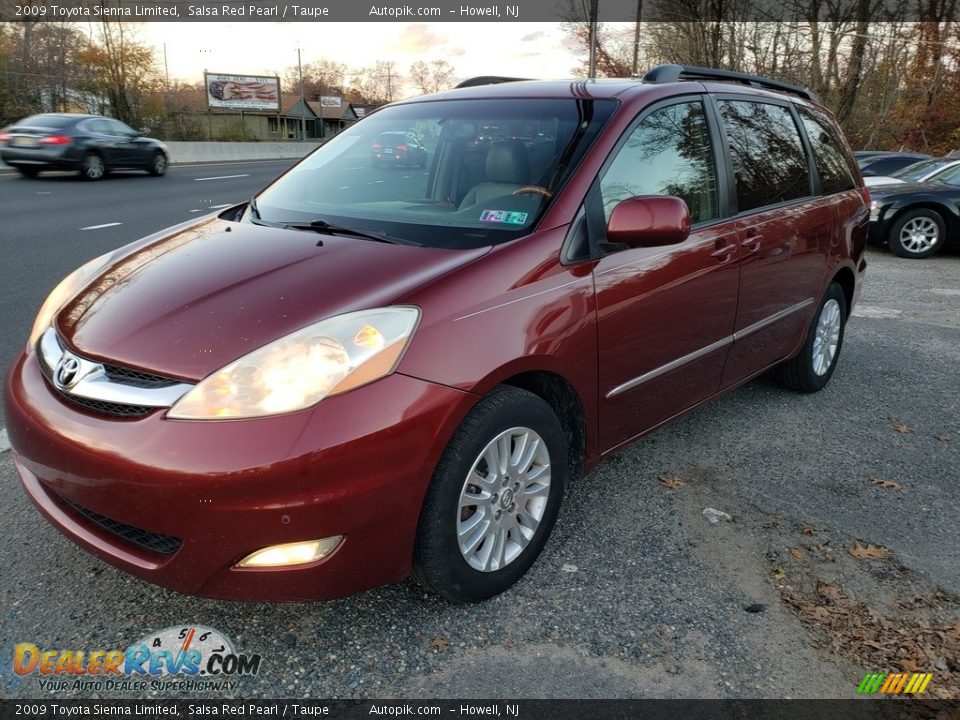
column 68, row 371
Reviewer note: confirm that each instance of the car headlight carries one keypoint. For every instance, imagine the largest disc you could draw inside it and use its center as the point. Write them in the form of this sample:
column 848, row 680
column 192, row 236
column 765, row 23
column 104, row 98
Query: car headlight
column 64, row 292
column 301, row 369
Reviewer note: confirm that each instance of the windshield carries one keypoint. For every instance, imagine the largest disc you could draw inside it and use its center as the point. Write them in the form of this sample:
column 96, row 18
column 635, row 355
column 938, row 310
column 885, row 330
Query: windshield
column 912, row 173
column 447, row 173
column 950, row 176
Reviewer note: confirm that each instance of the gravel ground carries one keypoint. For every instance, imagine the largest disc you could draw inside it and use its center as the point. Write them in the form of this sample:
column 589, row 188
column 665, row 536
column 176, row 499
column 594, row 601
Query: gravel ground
column 636, row 594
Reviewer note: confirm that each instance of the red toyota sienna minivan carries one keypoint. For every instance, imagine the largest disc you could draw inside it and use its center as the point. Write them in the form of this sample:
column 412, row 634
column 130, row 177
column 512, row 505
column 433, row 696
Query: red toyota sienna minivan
column 366, row 372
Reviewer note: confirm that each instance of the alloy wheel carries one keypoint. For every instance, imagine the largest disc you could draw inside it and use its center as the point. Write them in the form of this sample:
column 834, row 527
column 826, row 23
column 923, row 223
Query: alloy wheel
column 919, row 234
column 93, row 167
column 503, row 499
column 826, row 338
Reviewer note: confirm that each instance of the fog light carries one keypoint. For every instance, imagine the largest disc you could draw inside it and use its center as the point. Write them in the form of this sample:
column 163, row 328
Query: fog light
column 298, row 553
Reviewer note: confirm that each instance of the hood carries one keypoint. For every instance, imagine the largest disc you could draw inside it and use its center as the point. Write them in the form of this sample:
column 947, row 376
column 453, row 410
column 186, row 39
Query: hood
column 201, row 297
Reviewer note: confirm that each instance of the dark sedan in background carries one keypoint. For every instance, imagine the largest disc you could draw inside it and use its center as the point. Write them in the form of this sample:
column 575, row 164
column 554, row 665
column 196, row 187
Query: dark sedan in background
column 93, row 145
column 884, row 163
column 399, row 148
column 917, row 219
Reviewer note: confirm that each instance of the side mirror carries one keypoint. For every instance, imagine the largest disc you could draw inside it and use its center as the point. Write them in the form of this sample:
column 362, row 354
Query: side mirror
column 649, row 221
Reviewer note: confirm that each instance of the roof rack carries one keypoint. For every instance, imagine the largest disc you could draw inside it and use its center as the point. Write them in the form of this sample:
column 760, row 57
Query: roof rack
column 675, row 73
column 488, row 80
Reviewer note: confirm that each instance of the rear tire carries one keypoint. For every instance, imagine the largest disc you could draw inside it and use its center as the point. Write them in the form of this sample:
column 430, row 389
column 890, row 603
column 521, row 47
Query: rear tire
column 493, row 499
column 810, row 370
column 93, row 167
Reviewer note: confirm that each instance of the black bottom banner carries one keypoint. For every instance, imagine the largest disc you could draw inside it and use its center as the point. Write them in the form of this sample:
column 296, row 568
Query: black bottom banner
column 863, row 709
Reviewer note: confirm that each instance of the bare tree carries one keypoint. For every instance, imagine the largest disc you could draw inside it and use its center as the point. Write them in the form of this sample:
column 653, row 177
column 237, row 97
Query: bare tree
column 320, row 77
column 376, row 84
column 431, row 77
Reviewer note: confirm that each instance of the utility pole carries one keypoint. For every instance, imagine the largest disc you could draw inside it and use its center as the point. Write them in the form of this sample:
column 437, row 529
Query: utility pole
column 389, row 66
column 303, row 102
column 636, row 39
column 594, row 9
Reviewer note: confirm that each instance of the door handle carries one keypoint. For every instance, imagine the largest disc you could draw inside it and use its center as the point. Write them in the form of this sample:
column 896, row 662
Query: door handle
column 752, row 243
column 724, row 250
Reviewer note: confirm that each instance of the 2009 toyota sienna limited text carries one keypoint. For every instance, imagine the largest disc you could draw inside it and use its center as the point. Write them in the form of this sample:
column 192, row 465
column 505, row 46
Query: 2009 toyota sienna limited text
column 369, row 371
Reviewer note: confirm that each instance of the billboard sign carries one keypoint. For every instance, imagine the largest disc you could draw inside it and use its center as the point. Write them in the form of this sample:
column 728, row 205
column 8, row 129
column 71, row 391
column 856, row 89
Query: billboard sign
column 331, row 101
column 243, row 92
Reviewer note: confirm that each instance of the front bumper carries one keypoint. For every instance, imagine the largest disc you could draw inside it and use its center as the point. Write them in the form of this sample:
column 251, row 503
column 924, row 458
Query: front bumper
column 879, row 231
column 356, row 465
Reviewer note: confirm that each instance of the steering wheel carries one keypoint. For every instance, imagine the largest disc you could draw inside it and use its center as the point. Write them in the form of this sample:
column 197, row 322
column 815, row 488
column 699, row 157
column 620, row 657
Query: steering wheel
column 533, row 189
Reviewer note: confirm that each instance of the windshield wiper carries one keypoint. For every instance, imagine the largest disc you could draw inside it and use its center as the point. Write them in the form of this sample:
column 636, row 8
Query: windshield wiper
column 322, row 226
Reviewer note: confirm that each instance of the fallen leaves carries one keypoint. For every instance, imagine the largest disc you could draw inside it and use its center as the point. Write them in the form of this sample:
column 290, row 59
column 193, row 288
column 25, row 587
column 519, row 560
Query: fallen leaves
column 672, row 482
column 943, row 438
column 868, row 551
column 807, row 531
column 902, row 642
column 899, row 426
column 886, row 484
column 440, row 643
column 830, row 592
column 797, row 554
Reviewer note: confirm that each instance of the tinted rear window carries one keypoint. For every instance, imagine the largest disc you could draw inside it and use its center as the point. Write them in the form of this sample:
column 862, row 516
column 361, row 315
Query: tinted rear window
column 829, row 152
column 47, row 121
column 769, row 163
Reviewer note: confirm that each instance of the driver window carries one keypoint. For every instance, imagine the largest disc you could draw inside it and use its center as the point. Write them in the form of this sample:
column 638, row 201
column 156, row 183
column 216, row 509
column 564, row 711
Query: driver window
column 668, row 153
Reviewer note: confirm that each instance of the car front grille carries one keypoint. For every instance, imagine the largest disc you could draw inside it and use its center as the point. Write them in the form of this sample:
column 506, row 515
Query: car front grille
column 106, row 408
column 136, row 378
column 154, row 542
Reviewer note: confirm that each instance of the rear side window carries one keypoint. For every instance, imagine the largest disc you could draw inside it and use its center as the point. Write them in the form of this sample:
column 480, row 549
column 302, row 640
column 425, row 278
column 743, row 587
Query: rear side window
column 98, row 125
column 668, row 153
column 829, row 154
column 47, row 121
column 769, row 163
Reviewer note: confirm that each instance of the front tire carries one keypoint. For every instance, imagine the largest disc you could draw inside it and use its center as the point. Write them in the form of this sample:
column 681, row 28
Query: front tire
column 158, row 164
column 28, row 172
column 917, row 234
column 493, row 499
column 810, row 370
column 93, row 167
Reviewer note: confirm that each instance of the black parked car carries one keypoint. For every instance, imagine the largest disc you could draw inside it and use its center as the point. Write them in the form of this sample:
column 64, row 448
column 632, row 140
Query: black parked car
column 917, row 219
column 91, row 144
column 887, row 163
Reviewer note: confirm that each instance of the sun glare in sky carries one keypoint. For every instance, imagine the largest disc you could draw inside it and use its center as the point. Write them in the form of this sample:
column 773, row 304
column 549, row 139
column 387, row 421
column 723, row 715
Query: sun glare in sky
column 535, row 50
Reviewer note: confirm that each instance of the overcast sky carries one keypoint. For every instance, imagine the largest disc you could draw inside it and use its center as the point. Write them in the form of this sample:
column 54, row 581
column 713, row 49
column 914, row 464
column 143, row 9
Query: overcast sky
column 535, row 50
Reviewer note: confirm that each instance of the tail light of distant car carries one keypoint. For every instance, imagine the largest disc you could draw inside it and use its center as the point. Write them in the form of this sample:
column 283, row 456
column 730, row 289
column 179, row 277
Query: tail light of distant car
column 4, row 137
column 54, row 140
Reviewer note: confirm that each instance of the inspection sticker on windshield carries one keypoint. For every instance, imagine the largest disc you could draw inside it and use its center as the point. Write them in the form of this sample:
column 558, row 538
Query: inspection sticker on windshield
column 503, row 216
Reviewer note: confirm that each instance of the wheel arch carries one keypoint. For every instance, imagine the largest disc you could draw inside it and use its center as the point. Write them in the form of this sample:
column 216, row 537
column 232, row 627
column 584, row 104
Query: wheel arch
column 847, row 281
column 950, row 214
column 561, row 396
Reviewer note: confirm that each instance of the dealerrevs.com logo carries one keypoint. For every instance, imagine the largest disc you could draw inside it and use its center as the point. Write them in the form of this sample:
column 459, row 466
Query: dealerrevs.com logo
column 185, row 659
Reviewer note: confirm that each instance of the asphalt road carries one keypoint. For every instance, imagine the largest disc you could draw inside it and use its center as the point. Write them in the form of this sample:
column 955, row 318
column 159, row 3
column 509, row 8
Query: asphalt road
column 55, row 223
column 636, row 594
